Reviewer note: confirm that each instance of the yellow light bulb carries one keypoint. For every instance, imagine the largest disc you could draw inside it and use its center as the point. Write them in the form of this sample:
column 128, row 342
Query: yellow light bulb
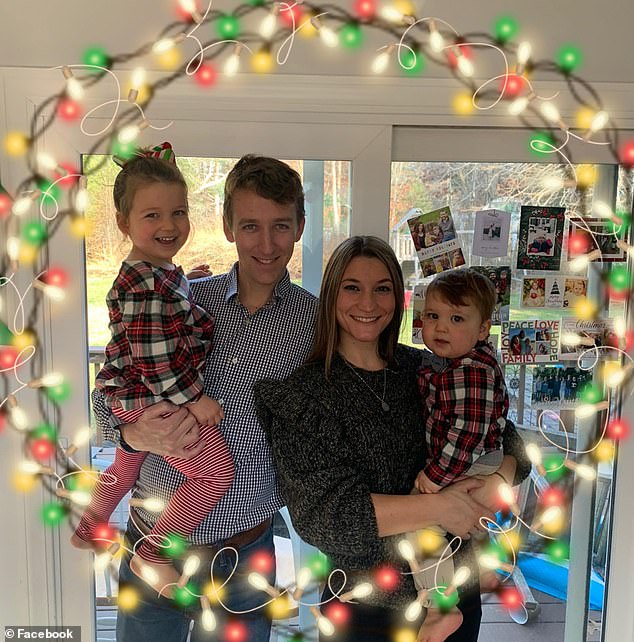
column 27, row 254
column 405, row 7
column 404, row 635
column 511, row 541
column 604, row 452
column 23, row 340
column 262, row 61
column 143, row 94
column 128, row 599
column 585, row 309
column 462, row 103
column 280, row 608
column 168, row 60
column 23, row 482
column 430, row 541
column 16, row 143
column 584, row 117
column 80, row 227
column 214, row 595
column 586, row 175
column 306, row 27
column 611, row 370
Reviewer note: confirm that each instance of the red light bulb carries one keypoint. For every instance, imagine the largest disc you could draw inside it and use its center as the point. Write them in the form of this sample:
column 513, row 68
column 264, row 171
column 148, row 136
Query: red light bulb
column 103, row 534
column 206, row 75
column 5, row 205
column 262, row 562
column 365, row 9
column 68, row 109
column 8, row 357
column 511, row 598
column 514, row 86
column 337, row 613
column 578, row 243
column 55, row 276
column 626, row 153
column 42, row 449
column 235, row 632
column 552, row 496
column 386, row 577
column 452, row 59
column 67, row 180
column 617, row 429
column 287, row 15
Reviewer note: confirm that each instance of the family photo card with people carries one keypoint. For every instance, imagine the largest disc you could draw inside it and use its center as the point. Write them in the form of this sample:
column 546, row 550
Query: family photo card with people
column 594, row 334
column 552, row 291
column 535, row 341
column 557, row 387
column 501, row 278
column 540, row 238
column 435, row 240
column 597, row 234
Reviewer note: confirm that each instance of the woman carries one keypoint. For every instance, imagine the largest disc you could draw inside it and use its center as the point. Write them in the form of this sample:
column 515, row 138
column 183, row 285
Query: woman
column 348, row 442
column 418, row 236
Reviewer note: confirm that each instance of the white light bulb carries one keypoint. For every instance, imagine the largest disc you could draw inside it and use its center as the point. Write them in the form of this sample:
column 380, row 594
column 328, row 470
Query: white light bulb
column 550, row 112
column 406, row 550
column 102, row 561
column 518, row 106
column 267, row 28
column 362, row 590
column 73, row 87
column 553, row 183
column 208, row 619
column 534, row 454
column 489, row 561
column 13, row 248
column 149, row 575
column 523, row 54
column 153, row 504
column 581, row 262
column 413, row 611
column 29, row 467
column 191, row 565
column 461, row 576
column 46, row 161
column 258, row 581
column 465, row 66
column 328, row 37
column 585, row 472
column 379, row 64
column 128, row 133
column 599, row 121
column 303, row 578
column 233, row 62
column 436, row 41
column 325, row 626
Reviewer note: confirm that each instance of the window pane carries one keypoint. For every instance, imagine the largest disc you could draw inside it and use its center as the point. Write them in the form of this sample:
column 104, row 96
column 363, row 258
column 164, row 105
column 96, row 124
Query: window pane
column 467, row 188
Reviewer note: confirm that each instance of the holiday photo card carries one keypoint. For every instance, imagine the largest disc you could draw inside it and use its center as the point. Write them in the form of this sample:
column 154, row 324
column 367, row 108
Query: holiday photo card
column 587, row 335
column 434, row 237
column 552, row 291
column 541, row 236
column 535, row 341
column 501, row 278
column 595, row 233
column 491, row 233
column 557, row 386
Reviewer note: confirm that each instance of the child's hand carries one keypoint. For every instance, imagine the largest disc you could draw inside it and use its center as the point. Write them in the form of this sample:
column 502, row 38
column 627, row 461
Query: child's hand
column 425, row 485
column 199, row 272
column 208, row 411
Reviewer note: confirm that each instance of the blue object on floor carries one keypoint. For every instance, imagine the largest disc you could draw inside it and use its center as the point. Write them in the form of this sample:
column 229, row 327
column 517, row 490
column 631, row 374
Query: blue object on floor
column 552, row 578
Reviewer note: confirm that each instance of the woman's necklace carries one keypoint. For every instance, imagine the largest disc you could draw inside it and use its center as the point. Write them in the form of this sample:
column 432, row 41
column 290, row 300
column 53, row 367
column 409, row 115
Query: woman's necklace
column 384, row 404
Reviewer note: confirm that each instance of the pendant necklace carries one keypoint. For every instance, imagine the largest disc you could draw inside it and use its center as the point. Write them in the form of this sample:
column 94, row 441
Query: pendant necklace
column 384, row 404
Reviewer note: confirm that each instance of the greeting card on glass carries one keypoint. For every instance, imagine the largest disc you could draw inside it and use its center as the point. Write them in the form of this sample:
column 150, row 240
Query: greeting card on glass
column 541, row 236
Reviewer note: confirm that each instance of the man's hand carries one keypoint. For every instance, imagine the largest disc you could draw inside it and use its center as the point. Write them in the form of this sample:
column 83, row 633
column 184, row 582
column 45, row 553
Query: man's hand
column 459, row 512
column 168, row 436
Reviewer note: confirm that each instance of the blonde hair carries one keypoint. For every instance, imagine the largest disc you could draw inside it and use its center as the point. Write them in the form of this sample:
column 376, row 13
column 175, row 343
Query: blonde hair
column 327, row 329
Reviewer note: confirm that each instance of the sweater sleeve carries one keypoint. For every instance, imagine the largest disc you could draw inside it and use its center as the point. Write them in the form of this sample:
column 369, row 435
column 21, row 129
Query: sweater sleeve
column 329, row 504
column 513, row 444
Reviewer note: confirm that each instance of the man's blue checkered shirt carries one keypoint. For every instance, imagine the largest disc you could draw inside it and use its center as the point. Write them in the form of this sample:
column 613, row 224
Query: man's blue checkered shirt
column 270, row 344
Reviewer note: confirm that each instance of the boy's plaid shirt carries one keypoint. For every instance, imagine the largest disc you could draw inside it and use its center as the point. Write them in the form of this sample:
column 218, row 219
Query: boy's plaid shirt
column 465, row 404
column 160, row 338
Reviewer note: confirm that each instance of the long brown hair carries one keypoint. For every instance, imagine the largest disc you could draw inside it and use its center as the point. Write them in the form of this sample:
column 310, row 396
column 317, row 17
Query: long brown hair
column 327, row 330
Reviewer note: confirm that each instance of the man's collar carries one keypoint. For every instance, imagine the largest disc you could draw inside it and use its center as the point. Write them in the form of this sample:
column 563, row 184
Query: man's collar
column 281, row 290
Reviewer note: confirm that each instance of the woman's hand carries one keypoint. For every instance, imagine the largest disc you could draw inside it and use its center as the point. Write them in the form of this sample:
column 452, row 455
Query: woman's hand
column 170, row 435
column 460, row 512
column 488, row 494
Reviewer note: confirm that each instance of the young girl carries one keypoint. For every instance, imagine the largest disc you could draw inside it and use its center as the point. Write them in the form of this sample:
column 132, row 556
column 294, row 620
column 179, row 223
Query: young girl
column 159, row 342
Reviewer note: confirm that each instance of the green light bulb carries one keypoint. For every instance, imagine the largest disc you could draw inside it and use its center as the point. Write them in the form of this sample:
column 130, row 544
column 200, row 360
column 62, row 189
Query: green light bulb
column 569, row 57
column 590, row 393
column 53, row 513
column 351, row 36
column 186, row 596
column 177, row 546
column 413, row 62
column 505, row 28
column 228, row 26
column 620, row 278
column 59, row 393
column 95, row 56
column 34, row 233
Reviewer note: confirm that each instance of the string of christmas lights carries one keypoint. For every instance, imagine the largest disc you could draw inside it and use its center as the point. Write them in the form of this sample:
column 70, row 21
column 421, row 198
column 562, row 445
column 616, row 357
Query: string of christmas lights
column 58, row 191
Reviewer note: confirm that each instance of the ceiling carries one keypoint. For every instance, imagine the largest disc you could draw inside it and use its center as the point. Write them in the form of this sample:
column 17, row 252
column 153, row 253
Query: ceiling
column 42, row 33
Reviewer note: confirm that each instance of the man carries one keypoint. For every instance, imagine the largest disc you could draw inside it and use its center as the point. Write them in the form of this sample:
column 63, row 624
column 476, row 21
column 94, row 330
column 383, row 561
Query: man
column 264, row 328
